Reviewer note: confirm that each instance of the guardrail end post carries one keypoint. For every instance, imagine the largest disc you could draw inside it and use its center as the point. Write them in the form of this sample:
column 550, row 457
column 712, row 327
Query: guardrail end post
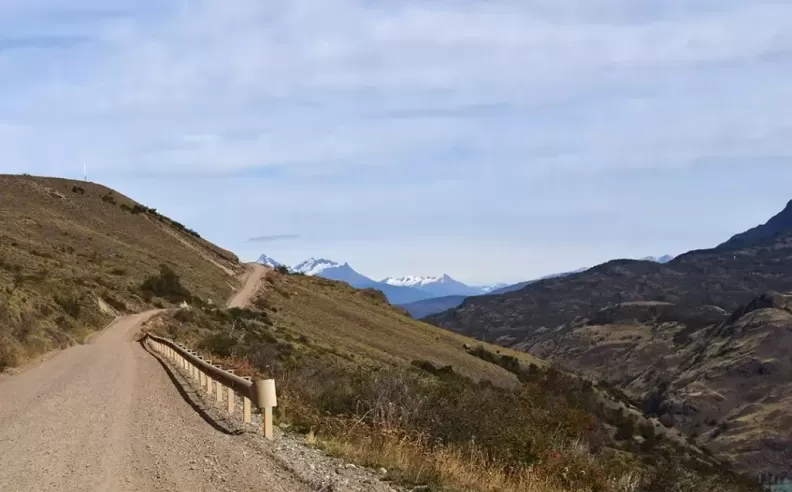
column 266, row 398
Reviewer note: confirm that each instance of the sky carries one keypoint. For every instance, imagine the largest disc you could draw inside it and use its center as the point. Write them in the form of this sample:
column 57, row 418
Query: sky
column 496, row 141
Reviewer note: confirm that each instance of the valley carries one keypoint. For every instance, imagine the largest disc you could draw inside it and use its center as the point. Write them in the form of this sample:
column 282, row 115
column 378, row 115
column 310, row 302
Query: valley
column 358, row 377
column 702, row 342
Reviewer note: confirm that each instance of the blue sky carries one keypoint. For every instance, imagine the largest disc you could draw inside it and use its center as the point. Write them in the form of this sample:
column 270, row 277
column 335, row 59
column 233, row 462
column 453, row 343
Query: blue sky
column 495, row 141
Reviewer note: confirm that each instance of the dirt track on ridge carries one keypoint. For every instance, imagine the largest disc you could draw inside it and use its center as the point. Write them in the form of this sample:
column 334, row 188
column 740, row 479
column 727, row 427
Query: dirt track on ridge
column 252, row 282
column 106, row 417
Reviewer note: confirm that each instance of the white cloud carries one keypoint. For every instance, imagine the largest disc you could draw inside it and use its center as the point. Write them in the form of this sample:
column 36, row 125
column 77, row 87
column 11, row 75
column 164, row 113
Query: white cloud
column 439, row 106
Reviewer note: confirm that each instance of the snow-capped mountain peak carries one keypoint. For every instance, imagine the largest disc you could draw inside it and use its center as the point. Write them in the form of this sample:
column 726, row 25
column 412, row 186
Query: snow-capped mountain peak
column 314, row 266
column 270, row 262
column 415, row 281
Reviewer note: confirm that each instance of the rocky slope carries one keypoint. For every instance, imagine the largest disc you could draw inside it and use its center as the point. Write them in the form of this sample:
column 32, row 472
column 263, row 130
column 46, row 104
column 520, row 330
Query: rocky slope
column 721, row 378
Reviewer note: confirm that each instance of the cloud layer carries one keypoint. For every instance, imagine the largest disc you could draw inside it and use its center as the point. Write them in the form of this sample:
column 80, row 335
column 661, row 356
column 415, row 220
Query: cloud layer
column 435, row 122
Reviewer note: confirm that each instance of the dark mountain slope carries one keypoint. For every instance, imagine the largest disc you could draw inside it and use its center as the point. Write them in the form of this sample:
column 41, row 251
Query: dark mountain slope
column 777, row 225
column 723, row 278
column 419, row 309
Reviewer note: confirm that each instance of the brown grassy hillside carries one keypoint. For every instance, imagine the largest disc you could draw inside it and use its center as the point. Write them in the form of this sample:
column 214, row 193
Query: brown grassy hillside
column 722, row 379
column 72, row 254
column 436, row 408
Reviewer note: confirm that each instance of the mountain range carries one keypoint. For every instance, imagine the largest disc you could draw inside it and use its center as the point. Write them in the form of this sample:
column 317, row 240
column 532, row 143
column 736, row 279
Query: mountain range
column 398, row 290
column 421, row 296
column 426, row 307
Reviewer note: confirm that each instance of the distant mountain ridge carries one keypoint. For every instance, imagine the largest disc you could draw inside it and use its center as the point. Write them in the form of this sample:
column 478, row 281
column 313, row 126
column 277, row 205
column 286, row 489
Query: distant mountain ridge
column 437, row 286
column 430, row 294
column 329, row 269
column 778, row 224
column 701, row 341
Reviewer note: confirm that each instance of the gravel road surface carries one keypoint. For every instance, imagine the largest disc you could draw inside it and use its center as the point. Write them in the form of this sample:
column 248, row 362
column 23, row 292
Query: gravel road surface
column 107, row 417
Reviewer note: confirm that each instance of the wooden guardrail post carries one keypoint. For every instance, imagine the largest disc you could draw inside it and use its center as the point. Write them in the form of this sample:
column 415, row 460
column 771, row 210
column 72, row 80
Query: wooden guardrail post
column 230, row 395
column 208, row 379
column 266, row 399
column 246, row 410
column 218, row 388
column 218, row 380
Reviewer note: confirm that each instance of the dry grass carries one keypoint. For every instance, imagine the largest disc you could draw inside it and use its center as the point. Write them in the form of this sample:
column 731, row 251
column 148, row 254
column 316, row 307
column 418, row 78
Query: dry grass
column 344, row 358
column 362, row 325
column 72, row 255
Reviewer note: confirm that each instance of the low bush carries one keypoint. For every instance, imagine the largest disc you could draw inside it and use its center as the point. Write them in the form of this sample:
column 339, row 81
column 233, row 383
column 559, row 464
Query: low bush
column 116, row 304
column 9, row 353
column 430, row 426
column 70, row 305
column 166, row 285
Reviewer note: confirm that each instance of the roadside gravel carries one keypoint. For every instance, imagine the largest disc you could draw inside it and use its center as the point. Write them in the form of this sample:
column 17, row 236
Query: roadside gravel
column 290, row 452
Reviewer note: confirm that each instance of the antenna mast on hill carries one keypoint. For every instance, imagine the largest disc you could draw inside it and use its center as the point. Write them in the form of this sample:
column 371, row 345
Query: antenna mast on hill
column 85, row 172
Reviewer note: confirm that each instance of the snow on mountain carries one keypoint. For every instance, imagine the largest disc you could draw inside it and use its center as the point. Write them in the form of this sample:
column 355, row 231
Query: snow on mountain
column 270, row 262
column 436, row 286
column 314, row 266
column 332, row 270
column 412, row 281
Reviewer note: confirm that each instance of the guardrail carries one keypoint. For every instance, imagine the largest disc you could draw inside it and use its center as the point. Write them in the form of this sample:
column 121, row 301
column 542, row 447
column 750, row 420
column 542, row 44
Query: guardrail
column 219, row 381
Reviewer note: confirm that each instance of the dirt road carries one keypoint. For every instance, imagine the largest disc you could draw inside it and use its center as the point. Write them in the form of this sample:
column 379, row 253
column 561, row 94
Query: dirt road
column 106, row 417
column 252, row 282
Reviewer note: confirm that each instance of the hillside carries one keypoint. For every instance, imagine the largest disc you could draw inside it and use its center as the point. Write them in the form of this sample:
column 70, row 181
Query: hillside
column 696, row 328
column 72, row 254
column 356, row 375
column 421, row 309
column 727, row 279
column 368, row 381
column 722, row 378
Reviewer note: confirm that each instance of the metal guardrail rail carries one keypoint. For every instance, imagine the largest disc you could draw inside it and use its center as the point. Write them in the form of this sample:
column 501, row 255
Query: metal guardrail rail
column 219, row 381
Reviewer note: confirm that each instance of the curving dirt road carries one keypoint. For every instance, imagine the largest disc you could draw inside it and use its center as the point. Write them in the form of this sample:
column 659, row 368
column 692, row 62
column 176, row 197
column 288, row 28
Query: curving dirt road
column 252, row 282
column 106, row 417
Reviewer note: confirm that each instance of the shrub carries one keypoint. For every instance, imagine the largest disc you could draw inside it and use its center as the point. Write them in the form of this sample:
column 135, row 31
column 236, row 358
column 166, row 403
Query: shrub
column 109, row 198
column 283, row 269
column 625, row 430
column 184, row 315
column 647, row 431
column 78, row 190
column 70, row 305
column 167, row 285
column 116, row 304
column 9, row 353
